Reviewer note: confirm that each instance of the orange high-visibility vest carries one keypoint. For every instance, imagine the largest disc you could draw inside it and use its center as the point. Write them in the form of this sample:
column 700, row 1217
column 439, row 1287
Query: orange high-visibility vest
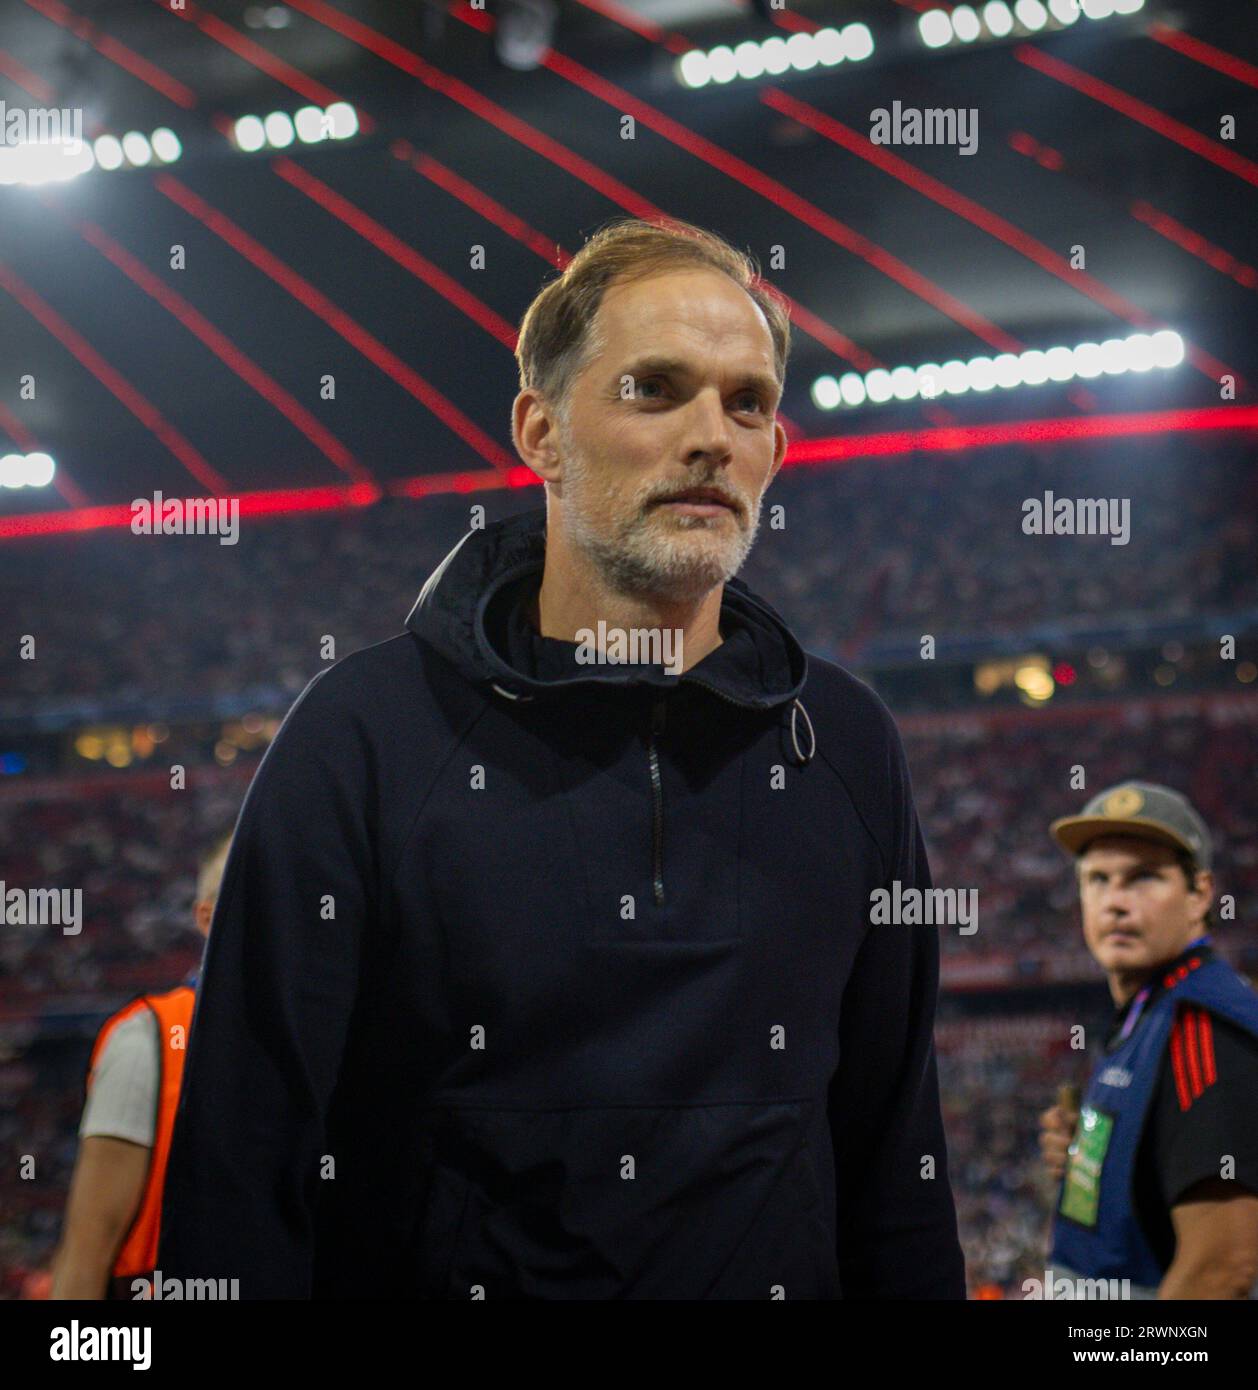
column 173, row 1011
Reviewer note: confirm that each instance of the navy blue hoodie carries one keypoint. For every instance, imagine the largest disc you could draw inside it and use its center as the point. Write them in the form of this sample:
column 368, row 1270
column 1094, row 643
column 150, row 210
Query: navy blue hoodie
column 535, row 979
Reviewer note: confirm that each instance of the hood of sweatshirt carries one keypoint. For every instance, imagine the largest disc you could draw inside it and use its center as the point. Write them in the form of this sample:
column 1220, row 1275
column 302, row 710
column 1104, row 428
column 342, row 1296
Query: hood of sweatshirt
column 473, row 607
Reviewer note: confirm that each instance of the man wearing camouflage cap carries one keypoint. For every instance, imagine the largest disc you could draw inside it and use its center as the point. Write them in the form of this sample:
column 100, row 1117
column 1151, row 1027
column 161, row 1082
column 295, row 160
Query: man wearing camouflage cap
column 1159, row 1168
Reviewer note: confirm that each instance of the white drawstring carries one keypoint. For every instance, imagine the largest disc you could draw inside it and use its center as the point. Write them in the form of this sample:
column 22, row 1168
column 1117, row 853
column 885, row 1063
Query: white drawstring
column 797, row 708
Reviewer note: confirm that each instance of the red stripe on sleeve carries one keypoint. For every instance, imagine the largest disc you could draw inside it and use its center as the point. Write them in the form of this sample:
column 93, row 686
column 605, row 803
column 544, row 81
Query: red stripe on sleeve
column 1177, row 1064
column 1187, row 1023
column 1205, row 1035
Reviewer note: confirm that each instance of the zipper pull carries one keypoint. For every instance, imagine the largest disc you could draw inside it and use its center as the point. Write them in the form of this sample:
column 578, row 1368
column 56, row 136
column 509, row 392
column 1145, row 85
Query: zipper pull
column 658, row 709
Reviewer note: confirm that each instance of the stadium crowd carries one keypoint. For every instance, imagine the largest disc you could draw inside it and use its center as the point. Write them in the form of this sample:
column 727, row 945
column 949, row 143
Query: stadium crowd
column 995, row 1076
column 159, row 617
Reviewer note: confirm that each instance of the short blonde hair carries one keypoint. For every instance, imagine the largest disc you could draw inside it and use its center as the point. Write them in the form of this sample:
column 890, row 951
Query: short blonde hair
column 211, row 871
column 556, row 342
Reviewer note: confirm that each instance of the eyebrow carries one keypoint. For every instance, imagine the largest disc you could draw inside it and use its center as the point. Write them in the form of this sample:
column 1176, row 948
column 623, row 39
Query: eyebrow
column 655, row 365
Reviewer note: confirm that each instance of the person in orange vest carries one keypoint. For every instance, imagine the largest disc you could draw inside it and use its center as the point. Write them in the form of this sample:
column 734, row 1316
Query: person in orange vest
column 109, row 1237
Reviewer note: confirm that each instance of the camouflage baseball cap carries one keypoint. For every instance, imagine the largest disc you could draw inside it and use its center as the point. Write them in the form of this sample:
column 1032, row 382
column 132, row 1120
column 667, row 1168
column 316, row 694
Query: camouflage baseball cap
column 1137, row 808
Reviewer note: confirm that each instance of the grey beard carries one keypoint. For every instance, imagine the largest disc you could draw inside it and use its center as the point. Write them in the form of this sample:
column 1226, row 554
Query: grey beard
column 637, row 561
column 643, row 565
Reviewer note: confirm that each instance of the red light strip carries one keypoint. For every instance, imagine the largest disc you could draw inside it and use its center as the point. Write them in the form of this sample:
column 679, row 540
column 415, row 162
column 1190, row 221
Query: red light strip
column 56, row 523
column 142, row 408
column 983, row 218
column 336, row 319
column 828, row 336
column 481, row 203
column 24, row 78
column 792, row 429
column 843, row 447
column 276, row 503
column 1205, row 53
column 1195, row 244
column 397, row 250
column 116, row 52
column 797, row 23
column 1044, row 155
column 1161, row 222
column 224, row 349
column 439, row 484
column 261, row 58
column 1138, row 111
column 810, row 452
column 18, row 432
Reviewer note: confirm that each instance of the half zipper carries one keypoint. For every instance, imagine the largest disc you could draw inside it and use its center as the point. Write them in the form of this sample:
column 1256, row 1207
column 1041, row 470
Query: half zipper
column 658, row 711
column 729, row 699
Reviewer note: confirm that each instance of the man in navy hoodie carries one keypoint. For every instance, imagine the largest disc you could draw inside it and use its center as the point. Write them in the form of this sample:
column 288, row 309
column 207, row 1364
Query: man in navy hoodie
column 543, row 965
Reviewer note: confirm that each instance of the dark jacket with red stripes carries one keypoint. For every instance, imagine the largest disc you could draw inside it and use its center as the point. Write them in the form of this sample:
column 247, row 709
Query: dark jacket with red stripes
column 1097, row 1232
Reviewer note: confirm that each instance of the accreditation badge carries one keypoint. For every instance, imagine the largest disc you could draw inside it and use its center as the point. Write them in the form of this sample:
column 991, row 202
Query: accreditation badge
column 1081, row 1187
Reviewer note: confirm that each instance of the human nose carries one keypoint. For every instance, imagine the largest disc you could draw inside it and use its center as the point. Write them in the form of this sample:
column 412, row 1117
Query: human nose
column 708, row 428
column 1115, row 900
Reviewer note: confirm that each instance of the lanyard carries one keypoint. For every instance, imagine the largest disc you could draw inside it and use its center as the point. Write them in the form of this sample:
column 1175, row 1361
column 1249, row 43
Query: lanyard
column 1142, row 998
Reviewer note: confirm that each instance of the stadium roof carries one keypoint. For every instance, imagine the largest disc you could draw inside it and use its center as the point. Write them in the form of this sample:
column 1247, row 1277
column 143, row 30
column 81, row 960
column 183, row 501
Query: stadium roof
column 1105, row 141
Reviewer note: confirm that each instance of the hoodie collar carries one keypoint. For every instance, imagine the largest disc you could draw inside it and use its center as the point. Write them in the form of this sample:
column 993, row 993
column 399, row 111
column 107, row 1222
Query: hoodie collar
column 472, row 610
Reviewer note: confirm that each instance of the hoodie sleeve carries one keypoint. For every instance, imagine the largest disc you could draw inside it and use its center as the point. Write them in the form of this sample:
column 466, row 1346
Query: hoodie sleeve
column 274, row 1001
column 897, row 1231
